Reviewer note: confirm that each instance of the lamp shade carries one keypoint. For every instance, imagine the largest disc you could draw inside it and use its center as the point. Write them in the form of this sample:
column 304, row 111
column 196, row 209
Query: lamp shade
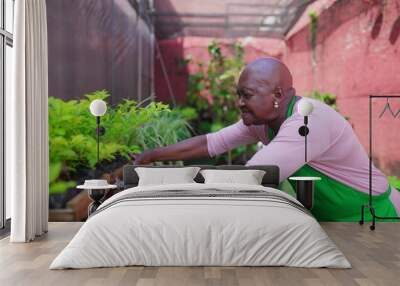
column 98, row 107
column 305, row 107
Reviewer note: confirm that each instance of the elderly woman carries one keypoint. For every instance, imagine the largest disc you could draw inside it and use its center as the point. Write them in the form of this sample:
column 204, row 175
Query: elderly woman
column 268, row 101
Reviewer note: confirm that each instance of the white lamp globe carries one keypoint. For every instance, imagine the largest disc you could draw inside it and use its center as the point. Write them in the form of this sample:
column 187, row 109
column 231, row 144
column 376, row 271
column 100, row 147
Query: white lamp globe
column 98, row 107
column 305, row 107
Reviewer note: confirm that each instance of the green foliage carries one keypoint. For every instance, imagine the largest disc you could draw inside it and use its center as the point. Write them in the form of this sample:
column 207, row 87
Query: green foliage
column 166, row 128
column 129, row 128
column 313, row 28
column 326, row 97
column 212, row 90
column 394, row 182
column 187, row 112
column 313, row 36
column 58, row 186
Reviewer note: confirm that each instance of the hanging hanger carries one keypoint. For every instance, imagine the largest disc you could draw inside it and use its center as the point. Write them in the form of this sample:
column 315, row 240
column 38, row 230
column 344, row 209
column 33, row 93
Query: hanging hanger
column 387, row 107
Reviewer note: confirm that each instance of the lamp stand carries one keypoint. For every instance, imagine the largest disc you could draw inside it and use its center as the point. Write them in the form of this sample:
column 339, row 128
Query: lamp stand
column 100, row 130
column 305, row 185
column 303, row 131
column 98, row 138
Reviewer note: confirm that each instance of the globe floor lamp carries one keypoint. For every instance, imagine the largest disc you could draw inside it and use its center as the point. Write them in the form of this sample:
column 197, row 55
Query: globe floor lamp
column 97, row 188
column 305, row 185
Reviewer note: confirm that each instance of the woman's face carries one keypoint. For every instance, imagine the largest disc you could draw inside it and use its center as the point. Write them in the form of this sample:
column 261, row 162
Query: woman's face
column 256, row 100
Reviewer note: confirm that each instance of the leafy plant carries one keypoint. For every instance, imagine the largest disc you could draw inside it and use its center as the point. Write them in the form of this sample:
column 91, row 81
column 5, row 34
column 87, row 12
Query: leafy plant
column 326, row 97
column 167, row 128
column 212, row 92
column 313, row 28
column 394, row 182
column 313, row 34
column 129, row 128
column 212, row 89
column 58, row 186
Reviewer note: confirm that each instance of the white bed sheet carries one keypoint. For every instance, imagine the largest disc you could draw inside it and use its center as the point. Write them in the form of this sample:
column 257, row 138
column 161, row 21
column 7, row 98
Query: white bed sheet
column 200, row 231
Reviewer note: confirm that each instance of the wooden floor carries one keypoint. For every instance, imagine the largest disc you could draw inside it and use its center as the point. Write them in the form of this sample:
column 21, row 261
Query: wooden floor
column 375, row 257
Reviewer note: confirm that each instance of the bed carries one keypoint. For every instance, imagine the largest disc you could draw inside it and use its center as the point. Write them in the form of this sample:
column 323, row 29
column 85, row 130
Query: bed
column 198, row 224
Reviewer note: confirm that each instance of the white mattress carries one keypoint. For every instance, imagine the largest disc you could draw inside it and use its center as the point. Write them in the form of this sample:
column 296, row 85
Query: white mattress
column 193, row 231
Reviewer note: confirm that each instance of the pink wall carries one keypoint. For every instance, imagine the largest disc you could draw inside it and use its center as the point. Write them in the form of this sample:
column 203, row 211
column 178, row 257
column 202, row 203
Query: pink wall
column 354, row 62
column 354, row 58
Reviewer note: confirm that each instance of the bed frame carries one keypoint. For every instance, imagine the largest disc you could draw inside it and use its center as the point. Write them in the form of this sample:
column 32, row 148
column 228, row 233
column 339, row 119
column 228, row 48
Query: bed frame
column 270, row 179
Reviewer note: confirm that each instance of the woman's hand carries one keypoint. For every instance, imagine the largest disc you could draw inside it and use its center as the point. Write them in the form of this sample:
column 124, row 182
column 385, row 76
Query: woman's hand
column 143, row 158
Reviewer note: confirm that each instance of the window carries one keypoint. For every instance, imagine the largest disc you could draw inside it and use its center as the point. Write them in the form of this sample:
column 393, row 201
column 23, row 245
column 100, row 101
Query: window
column 6, row 69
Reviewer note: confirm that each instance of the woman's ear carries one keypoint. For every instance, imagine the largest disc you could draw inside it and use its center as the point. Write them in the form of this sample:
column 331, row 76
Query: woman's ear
column 278, row 94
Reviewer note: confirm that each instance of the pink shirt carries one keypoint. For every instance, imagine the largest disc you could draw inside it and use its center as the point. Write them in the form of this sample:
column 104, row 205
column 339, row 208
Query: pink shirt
column 333, row 148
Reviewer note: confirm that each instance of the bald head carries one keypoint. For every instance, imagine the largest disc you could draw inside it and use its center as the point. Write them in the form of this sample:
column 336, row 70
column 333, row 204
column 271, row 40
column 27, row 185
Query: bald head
column 264, row 89
column 269, row 71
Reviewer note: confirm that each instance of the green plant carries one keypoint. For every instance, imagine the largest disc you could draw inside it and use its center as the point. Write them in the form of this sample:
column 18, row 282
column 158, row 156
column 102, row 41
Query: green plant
column 212, row 92
column 313, row 28
column 72, row 134
column 394, row 182
column 168, row 127
column 129, row 128
column 313, row 34
column 326, row 97
column 57, row 186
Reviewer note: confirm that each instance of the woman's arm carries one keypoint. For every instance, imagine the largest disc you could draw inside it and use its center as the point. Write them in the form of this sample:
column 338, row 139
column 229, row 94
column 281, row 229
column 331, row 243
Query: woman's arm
column 211, row 144
column 192, row 148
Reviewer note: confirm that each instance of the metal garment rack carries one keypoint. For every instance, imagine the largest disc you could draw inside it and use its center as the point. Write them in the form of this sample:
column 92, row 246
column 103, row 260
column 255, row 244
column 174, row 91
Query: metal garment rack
column 370, row 201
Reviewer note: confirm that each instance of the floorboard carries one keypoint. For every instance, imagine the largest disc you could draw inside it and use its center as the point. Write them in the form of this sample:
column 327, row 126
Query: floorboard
column 374, row 255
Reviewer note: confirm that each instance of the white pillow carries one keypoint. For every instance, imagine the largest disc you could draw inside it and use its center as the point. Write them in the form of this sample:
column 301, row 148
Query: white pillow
column 162, row 176
column 248, row 177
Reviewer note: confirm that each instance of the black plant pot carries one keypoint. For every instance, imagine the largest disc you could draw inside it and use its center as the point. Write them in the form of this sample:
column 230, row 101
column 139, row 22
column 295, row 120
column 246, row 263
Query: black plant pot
column 56, row 201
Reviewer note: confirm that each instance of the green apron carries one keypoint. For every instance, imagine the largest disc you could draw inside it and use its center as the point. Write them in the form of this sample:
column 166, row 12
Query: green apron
column 335, row 201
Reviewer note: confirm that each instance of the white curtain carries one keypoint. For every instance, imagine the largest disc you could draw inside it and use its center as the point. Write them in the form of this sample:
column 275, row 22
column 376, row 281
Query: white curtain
column 27, row 125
